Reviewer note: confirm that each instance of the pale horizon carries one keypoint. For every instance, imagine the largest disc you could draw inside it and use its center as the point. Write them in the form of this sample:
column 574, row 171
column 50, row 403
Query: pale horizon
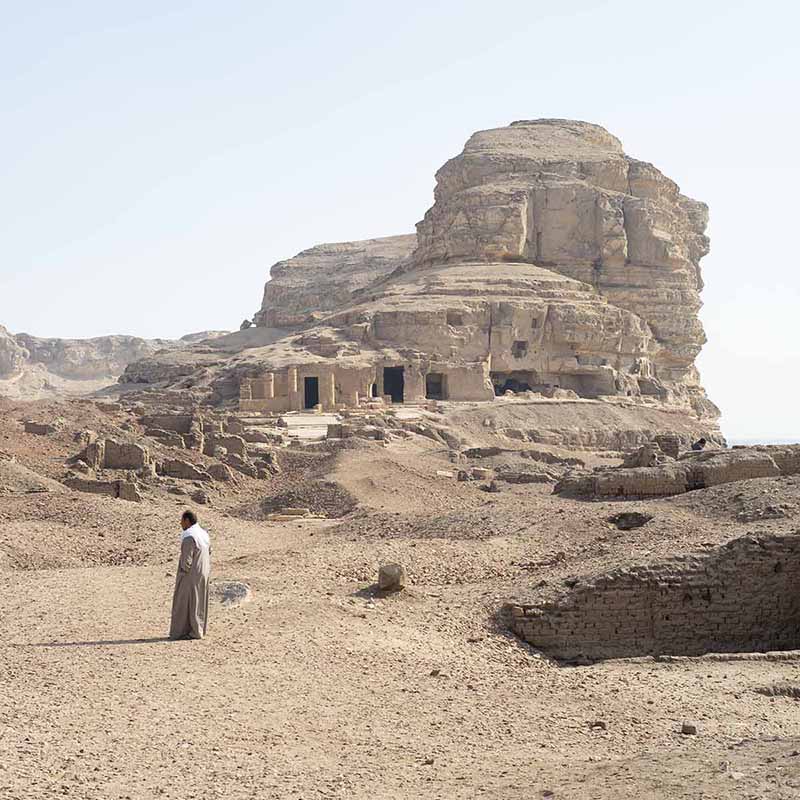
column 159, row 162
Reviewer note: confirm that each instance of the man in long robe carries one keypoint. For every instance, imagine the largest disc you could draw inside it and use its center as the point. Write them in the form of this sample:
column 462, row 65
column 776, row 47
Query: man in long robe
column 190, row 599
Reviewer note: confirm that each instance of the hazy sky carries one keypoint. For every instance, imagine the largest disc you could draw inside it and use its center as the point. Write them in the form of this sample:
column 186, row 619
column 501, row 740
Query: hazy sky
column 158, row 157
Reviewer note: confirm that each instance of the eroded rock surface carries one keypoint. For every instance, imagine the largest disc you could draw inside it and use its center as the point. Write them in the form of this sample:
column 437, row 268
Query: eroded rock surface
column 550, row 262
column 302, row 289
column 562, row 194
column 33, row 367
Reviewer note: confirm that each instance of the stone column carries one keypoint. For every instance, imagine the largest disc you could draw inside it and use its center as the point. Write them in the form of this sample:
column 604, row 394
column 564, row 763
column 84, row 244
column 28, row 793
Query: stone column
column 245, row 390
column 414, row 381
column 327, row 393
column 269, row 385
column 295, row 400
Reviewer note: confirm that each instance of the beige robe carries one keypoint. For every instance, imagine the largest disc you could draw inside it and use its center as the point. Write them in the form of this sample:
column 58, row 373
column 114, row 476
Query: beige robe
column 190, row 599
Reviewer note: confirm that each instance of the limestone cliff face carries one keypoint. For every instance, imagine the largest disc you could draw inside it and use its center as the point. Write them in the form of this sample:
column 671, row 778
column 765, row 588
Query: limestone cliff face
column 12, row 354
column 33, row 367
column 87, row 359
column 549, row 259
column 319, row 280
column 563, row 195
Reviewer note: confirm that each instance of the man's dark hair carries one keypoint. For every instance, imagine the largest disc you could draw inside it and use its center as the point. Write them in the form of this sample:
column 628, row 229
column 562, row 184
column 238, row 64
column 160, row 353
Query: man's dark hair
column 190, row 517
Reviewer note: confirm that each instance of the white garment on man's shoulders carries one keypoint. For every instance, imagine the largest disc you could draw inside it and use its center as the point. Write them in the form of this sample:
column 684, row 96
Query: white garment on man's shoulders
column 198, row 534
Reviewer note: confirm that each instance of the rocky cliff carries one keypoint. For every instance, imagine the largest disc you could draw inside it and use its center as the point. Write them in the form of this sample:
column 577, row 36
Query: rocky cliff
column 319, row 280
column 549, row 257
column 563, row 195
column 32, row 366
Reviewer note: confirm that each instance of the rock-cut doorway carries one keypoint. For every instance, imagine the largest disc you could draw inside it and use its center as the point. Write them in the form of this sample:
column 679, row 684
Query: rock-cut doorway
column 311, row 392
column 394, row 383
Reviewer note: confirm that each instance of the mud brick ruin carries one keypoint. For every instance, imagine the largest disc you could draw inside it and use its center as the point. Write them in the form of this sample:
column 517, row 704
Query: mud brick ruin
column 742, row 597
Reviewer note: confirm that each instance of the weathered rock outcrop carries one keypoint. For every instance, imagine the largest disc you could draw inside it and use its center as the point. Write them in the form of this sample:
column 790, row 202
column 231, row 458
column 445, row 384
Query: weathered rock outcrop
column 304, row 288
column 33, row 367
column 87, row 359
column 558, row 199
column 550, row 261
column 563, row 195
column 12, row 354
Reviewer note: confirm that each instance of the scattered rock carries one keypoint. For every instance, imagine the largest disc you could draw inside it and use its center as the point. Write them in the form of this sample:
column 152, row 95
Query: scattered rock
column 242, row 465
column 220, row 472
column 177, row 468
column 689, row 729
column 85, row 437
column 392, row 577
column 648, row 455
column 200, row 497
column 167, row 438
column 235, row 445
column 628, row 520
column 40, row 428
column 230, row 593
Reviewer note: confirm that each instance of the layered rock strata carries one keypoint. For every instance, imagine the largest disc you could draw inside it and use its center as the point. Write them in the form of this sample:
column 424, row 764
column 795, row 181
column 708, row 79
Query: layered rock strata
column 550, row 262
column 563, row 195
column 303, row 289
column 32, row 366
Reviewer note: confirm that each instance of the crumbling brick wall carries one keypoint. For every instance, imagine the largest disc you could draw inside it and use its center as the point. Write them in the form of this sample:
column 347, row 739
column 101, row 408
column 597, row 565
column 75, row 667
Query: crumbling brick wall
column 741, row 597
column 189, row 426
column 125, row 490
column 110, row 454
column 125, row 455
column 691, row 471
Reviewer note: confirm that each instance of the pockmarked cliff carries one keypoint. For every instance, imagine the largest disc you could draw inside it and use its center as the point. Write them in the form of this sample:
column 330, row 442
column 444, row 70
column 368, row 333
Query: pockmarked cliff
column 549, row 261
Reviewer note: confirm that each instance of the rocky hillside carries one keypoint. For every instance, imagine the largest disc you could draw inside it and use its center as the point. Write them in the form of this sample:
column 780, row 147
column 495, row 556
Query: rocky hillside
column 32, row 367
column 319, row 280
column 549, row 256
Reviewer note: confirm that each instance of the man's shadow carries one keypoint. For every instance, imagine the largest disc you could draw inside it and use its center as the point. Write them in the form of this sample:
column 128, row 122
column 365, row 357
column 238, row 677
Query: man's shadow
column 99, row 642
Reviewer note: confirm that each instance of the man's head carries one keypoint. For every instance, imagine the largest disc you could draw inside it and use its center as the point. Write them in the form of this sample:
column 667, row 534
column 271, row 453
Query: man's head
column 188, row 518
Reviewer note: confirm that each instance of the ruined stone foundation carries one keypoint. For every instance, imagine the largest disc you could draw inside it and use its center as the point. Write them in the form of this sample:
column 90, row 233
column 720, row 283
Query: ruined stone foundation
column 741, row 597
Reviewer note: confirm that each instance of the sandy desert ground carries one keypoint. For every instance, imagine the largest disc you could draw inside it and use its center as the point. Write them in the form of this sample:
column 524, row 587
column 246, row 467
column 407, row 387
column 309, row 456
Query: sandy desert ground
column 318, row 685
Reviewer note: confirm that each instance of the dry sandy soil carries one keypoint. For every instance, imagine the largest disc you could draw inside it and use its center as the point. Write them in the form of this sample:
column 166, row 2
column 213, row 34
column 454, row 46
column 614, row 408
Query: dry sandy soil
column 318, row 686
